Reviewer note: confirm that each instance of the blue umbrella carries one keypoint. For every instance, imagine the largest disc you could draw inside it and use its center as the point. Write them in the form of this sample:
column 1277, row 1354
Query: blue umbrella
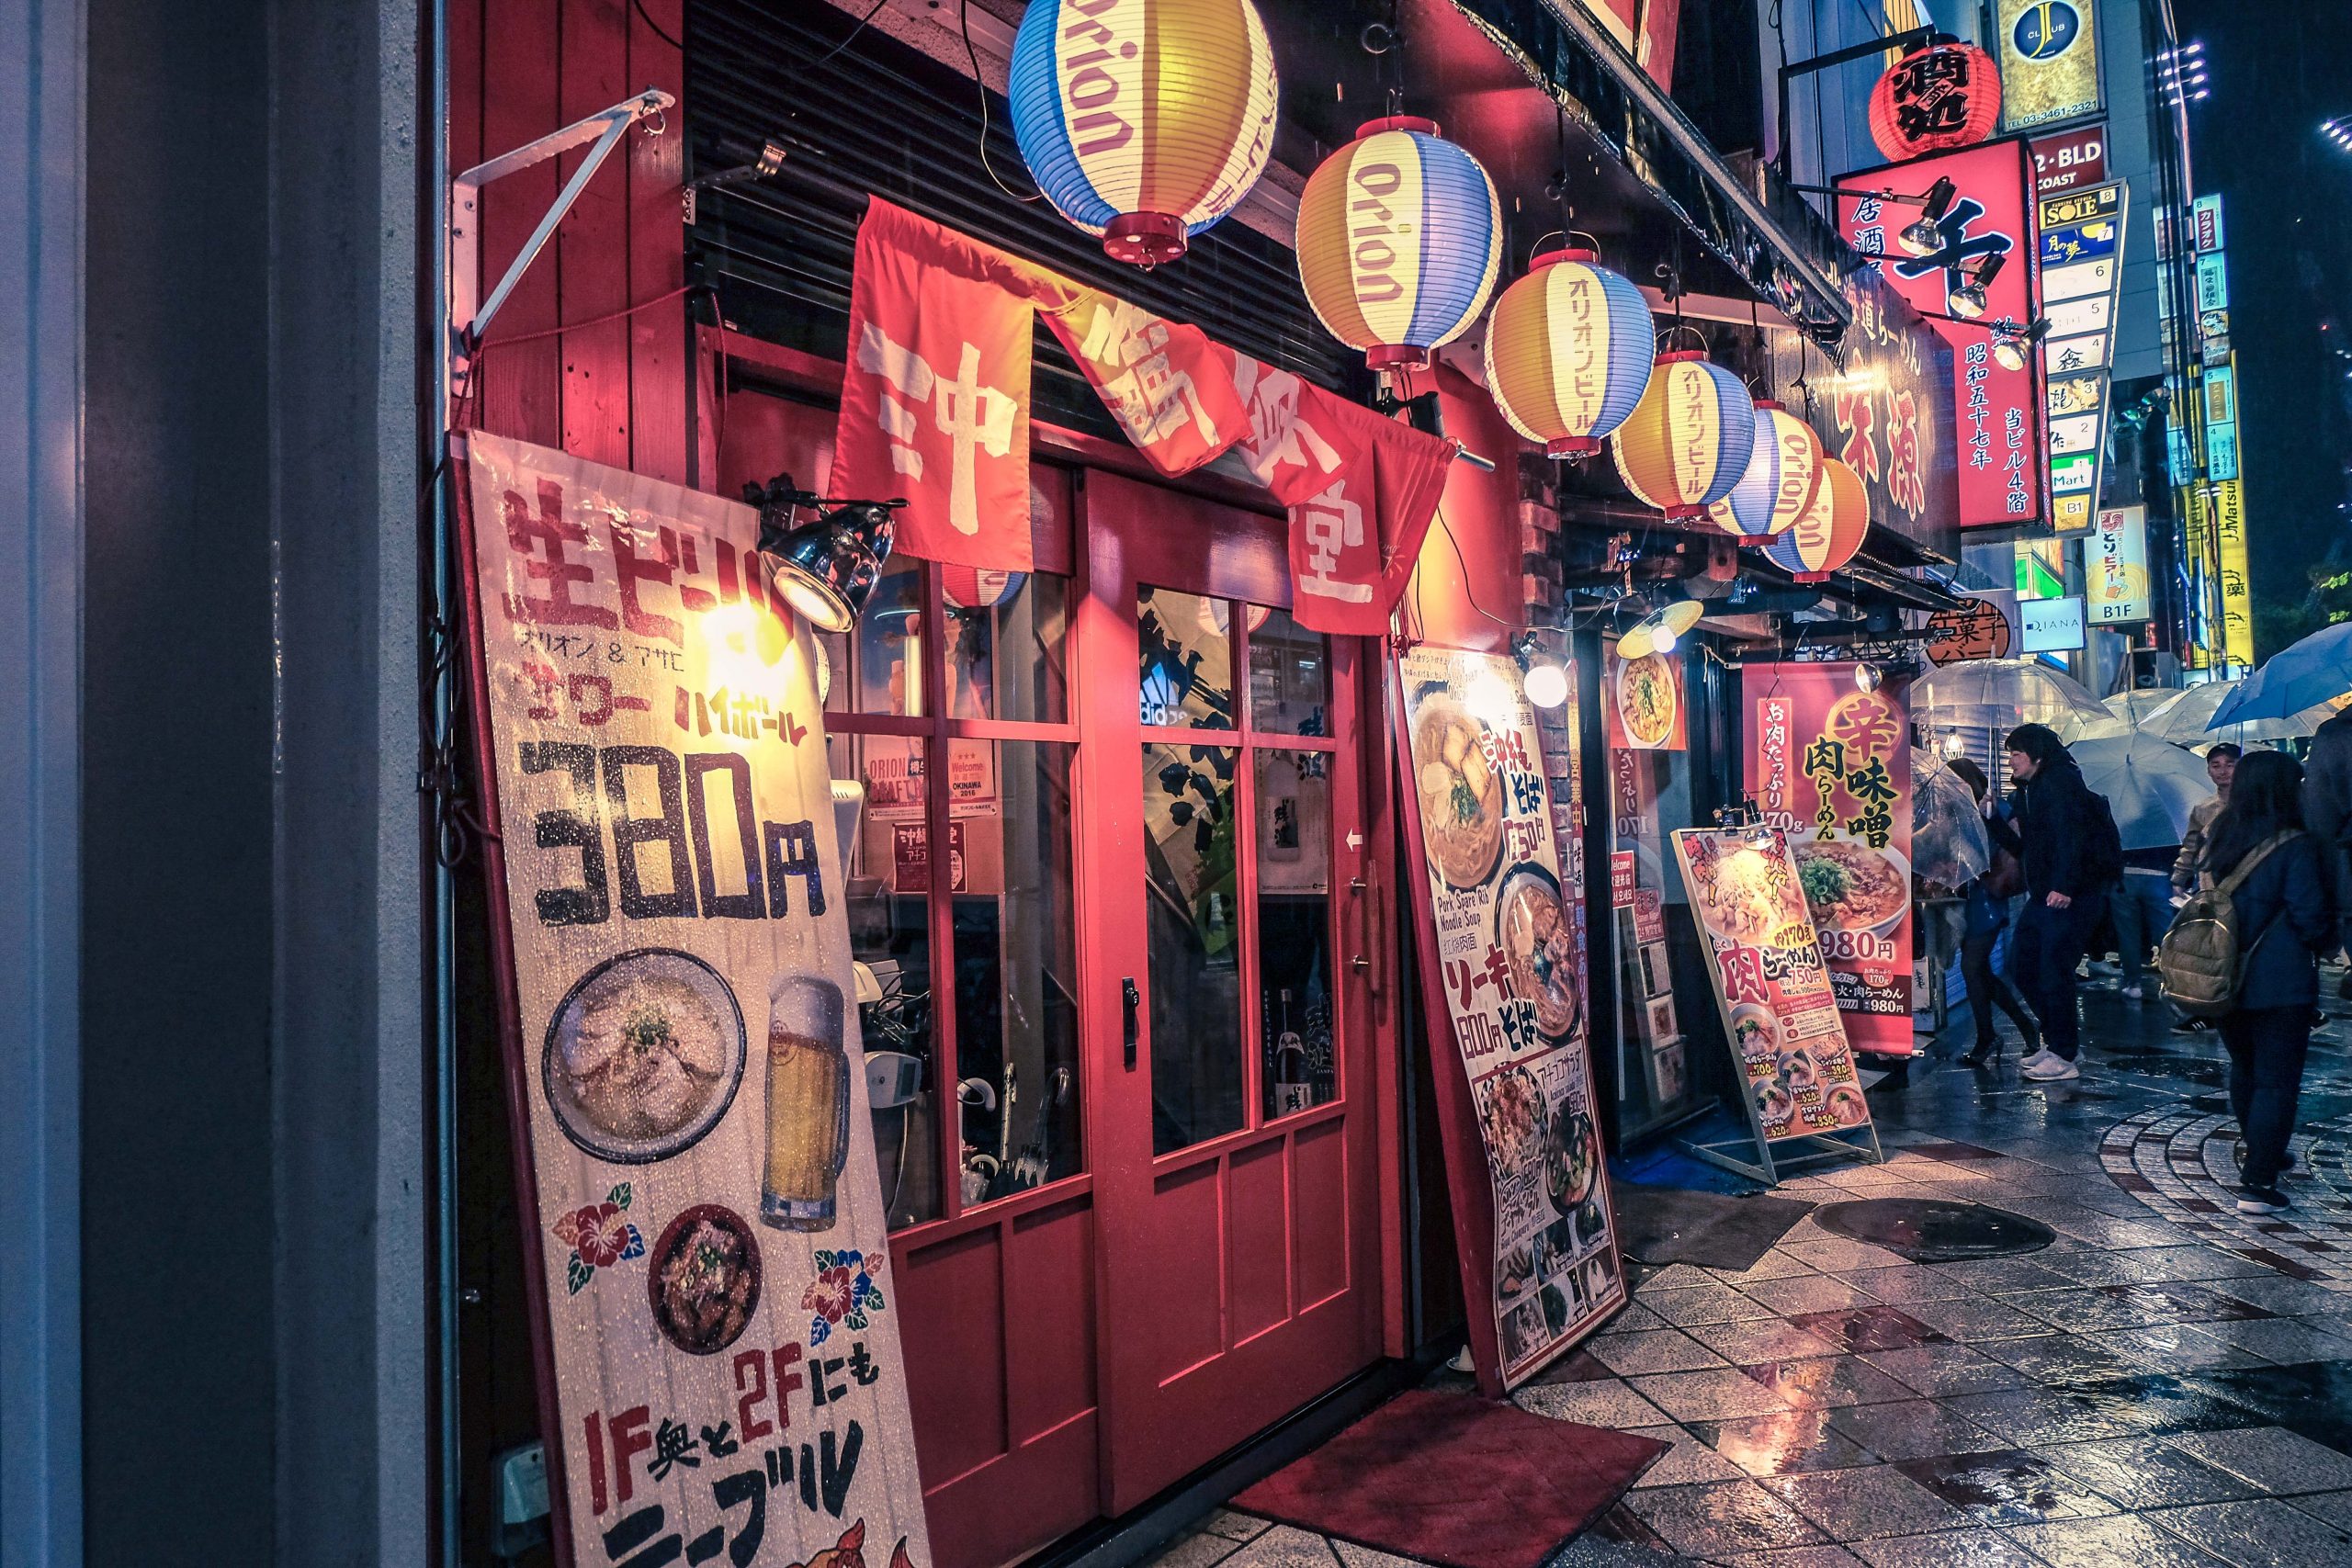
column 2294, row 678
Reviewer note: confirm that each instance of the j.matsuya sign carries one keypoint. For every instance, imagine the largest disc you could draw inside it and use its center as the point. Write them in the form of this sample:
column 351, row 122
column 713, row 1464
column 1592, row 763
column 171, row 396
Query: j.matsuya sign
column 718, row 1331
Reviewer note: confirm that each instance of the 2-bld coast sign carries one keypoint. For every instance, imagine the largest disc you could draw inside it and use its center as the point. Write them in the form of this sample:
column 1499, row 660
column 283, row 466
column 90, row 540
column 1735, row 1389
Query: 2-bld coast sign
column 707, row 1248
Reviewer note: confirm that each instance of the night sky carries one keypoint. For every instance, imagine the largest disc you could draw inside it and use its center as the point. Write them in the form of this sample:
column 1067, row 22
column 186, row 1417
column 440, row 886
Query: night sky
column 2279, row 68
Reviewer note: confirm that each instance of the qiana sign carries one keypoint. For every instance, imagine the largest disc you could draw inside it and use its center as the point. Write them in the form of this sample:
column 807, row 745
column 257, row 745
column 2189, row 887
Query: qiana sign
column 1999, row 410
column 705, row 1246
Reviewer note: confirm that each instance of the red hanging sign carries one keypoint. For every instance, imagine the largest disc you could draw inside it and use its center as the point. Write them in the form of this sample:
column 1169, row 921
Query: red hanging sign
column 1353, row 544
column 935, row 399
column 1165, row 382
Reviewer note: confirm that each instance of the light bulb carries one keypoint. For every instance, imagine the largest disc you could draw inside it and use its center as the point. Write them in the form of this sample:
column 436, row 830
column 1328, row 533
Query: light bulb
column 1547, row 686
column 1662, row 638
column 1868, row 676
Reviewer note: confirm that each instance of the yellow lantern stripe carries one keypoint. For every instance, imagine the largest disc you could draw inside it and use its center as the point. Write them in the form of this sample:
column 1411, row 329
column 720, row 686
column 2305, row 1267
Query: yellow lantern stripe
column 1105, row 54
column 1199, row 58
column 1382, row 218
column 1242, row 133
column 1322, row 247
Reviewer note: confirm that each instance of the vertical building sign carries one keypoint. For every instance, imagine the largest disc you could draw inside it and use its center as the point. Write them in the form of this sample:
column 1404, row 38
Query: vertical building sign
column 2049, row 52
column 1507, row 946
column 1999, row 410
column 2080, row 259
column 707, row 1249
column 1830, row 766
column 2115, row 567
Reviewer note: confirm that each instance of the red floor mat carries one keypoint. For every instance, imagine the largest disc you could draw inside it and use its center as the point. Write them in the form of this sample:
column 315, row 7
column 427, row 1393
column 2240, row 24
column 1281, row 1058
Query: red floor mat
column 1453, row 1479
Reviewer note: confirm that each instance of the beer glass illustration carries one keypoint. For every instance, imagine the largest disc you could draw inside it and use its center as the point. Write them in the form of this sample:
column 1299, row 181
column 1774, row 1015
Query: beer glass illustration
column 808, row 1103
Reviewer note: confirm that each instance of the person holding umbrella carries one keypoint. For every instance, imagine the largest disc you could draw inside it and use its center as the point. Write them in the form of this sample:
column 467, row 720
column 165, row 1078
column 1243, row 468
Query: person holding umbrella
column 2065, row 838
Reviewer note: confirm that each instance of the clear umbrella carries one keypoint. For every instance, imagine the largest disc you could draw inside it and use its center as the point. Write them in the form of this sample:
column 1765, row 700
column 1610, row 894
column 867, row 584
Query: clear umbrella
column 1949, row 845
column 1996, row 692
column 2302, row 676
column 2150, row 785
column 2189, row 720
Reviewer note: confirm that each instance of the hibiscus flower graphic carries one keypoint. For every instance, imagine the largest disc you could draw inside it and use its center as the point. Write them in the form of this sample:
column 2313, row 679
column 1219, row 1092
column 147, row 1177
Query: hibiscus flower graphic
column 843, row 1293
column 599, row 1235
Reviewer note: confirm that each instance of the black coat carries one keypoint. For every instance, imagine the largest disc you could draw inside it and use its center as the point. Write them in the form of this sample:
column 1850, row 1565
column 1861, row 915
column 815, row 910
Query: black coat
column 2047, row 825
column 2287, row 919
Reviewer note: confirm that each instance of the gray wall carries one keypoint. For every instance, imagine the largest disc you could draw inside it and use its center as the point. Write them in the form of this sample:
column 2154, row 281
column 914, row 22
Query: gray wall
column 253, row 1166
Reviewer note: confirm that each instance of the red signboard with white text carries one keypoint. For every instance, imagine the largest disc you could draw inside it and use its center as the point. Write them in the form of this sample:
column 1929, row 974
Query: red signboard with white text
column 1998, row 410
column 2070, row 160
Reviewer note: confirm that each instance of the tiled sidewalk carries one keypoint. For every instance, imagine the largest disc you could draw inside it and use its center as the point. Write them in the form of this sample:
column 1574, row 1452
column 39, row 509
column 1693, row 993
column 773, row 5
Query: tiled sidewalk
column 2140, row 1392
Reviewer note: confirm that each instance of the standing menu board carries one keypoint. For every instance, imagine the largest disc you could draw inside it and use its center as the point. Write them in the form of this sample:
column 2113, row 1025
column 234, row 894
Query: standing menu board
column 1503, row 940
column 1831, row 767
column 715, row 1321
column 1779, row 1010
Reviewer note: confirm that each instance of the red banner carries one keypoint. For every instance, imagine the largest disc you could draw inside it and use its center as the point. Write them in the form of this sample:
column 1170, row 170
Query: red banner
column 1292, row 446
column 1831, row 766
column 1999, row 410
column 935, row 398
column 1169, row 386
column 1353, row 544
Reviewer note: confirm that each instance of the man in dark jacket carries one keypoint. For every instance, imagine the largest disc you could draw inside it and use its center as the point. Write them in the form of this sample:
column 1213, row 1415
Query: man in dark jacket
column 2327, row 806
column 2050, row 823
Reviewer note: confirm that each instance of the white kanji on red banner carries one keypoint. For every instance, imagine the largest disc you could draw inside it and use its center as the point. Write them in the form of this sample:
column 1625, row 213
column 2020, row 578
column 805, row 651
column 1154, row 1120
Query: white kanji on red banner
column 1290, row 450
column 1161, row 380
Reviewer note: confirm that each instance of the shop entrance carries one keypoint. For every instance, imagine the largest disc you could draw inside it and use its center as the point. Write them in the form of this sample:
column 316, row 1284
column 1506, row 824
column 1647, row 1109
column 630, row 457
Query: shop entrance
column 1225, row 775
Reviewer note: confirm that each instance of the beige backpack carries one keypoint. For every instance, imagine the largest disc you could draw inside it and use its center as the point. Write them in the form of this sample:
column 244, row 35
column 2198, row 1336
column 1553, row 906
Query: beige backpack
column 2202, row 959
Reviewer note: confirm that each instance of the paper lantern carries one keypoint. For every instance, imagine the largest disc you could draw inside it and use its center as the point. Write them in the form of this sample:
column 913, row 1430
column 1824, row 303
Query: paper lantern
column 1688, row 439
column 1777, row 486
column 1831, row 530
column 1143, row 121
column 1568, row 352
column 1399, row 238
column 975, row 588
column 1945, row 95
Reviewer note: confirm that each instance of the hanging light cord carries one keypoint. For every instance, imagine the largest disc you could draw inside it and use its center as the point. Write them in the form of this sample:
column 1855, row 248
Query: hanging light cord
column 981, row 85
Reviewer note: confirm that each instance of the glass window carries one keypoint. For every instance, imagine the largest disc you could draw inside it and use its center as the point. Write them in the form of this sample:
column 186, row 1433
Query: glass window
column 1184, row 659
column 1016, row 965
column 1005, row 638
column 876, row 668
column 888, row 905
column 1193, row 929
column 1294, row 928
column 1290, row 675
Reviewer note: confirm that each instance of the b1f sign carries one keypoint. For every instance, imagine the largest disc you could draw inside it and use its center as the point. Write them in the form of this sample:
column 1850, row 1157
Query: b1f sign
column 2115, row 567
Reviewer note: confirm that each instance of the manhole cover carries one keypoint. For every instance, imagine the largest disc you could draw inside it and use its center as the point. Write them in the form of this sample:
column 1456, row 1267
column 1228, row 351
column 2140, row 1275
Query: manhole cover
column 1928, row 1229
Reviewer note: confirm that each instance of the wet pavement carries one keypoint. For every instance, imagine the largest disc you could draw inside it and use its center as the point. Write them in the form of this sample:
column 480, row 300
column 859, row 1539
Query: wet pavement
column 2166, row 1382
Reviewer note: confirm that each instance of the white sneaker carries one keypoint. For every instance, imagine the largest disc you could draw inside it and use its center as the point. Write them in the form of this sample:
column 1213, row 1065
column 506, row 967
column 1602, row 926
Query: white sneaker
column 2051, row 1069
column 2038, row 1054
column 2132, row 993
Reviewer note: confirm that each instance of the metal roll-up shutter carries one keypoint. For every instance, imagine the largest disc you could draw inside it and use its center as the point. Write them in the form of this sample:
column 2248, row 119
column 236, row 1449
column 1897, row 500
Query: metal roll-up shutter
column 883, row 117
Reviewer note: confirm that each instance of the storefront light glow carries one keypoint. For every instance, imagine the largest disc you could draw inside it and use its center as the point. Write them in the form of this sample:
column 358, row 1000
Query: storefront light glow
column 1658, row 631
column 1778, row 483
column 1399, row 242
column 1567, row 352
column 1831, row 530
column 1145, row 122
column 1688, row 441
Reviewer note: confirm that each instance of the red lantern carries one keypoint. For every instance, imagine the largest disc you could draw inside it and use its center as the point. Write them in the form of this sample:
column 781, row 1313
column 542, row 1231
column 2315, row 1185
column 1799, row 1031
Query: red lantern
column 1933, row 99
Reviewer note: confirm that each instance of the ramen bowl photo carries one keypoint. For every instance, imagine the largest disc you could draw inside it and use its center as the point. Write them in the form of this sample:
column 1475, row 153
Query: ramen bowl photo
column 1845, row 1106
column 1647, row 699
column 1461, row 795
column 1752, row 1029
column 1849, row 886
column 1538, row 943
column 643, row 1055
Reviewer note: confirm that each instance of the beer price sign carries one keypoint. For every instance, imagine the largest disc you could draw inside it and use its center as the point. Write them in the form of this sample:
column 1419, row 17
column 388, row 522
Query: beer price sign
column 715, row 1317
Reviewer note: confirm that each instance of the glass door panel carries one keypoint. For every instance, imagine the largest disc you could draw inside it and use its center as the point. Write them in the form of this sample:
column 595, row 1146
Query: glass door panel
column 1296, row 1068
column 1191, row 920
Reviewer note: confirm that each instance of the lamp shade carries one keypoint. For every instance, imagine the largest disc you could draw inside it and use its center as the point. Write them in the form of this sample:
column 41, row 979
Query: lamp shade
column 1143, row 122
column 1945, row 95
column 1777, row 486
column 1831, row 530
column 1399, row 239
column 1688, row 441
column 1568, row 352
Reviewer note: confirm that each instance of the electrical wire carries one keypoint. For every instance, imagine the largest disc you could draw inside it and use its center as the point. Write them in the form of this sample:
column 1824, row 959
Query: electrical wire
column 980, row 87
column 830, row 56
column 647, row 18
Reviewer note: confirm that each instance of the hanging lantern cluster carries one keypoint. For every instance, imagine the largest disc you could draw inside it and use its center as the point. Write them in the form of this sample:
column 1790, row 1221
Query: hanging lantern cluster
column 1567, row 352
column 1688, row 441
column 1144, row 121
column 1783, row 467
column 1945, row 95
column 1399, row 239
column 1831, row 529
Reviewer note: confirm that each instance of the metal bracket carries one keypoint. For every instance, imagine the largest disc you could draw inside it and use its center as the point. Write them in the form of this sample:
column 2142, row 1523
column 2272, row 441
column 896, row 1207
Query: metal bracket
column 605, row 130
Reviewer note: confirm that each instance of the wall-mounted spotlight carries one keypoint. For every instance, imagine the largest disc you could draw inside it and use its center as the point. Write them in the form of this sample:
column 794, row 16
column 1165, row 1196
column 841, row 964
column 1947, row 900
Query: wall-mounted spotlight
column 827, row 567
column 1868, row 676
column 1923, row 237
column 1547, row 673
column 2013, row 345
column 1968, row 300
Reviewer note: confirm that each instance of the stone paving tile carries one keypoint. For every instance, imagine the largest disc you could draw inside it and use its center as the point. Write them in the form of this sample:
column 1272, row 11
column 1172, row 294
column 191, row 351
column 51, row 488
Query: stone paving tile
column 1354, row 1556
column 2005, row 1276
column 1839, row 1255
column 1872, row 1327
column 2270, row 1458
column 1283, row 1546
column 1714, row 1395
column 1792, row 1557
column 1199, row 1549
column 2144, row 1472
column 2287, row 1339
column 1767, row 1339
column 1853, row 1504
column 1233, row 1524
column 1974, row 1320
column 1951, row 1549
column 2256, row 1534
column 1633, row 1317
column 1690, row 1460
column 1675, row 1277
column 1938, row 1369
column 1825, row 1383
column 2176, row 1346
column 2051, row 1356
column 2328, row 1507
column 2289, row 1297
column 1658, row 1350
column 1605, row 1403
column 1908, row 1282
column 2113, row 1541
column 2032, row 1416
column 1808, row 1292
column 1783, row 1443
column 1912, row 1428
column 1713, row 1302
column 2005, row 1486
column 1716, row 1519
column 1773, row 1265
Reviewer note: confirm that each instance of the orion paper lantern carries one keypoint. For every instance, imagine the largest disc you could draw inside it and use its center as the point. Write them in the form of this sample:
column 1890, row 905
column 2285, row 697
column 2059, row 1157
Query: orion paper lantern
column 1143, row 122
column 1688, row 439
column 1399, row 238
column 1945, row 95
column 1568, row 352
column 1777, row 484
column 1831, row 530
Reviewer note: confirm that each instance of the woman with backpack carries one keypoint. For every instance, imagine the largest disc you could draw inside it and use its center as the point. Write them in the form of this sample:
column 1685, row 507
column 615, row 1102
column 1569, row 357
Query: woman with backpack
column 2064, row 837
column 2281, row 919
column 1987, row 916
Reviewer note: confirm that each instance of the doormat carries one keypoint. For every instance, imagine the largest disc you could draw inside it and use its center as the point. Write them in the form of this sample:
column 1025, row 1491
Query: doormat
column 1659, row 1225
column 1934, row 1230
column 1453, row 1478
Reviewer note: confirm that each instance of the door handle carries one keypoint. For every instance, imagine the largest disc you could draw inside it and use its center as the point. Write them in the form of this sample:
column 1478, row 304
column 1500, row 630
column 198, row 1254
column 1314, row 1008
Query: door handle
column 1129, row 1000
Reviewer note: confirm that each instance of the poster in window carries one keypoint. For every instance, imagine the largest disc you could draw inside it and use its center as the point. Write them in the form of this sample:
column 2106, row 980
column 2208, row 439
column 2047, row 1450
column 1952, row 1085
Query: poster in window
column 1502, row 916
column 1643, row 700
column 707, row 1258
column 1779, row 1014
column 1830, row 766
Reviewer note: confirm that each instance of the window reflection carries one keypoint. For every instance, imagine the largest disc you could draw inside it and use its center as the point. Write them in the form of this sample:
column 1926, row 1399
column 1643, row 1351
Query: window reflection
column 877, row 666
column 1184, row 659
column 1293, row 931
column 1290, row 675
column 1193, row 929
column 1005, row 633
